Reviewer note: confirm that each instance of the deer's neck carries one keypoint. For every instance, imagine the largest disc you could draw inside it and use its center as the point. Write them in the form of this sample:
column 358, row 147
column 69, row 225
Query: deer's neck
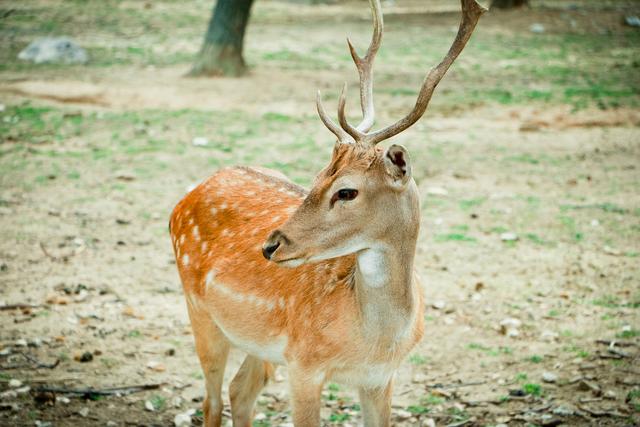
column 384, row 283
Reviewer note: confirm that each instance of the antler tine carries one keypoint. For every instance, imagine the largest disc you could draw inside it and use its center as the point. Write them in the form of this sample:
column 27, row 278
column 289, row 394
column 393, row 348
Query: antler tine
column 365, row 67
column 330, row 124
column 471, row 12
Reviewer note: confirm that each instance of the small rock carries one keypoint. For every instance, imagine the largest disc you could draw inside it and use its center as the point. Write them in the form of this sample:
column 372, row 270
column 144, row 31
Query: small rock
column 595, row 223
column 610, row 394
column 563, row 411
column 549, row 377
column 419, row 378
column 63, row 399
column 632, row 21
column 260, row 416
column 509, row 327
column 14, row 383
column 200, row 141
column 156, row 366
column 585, row 385
column 428, row 422
column 536, row 28
column 83, row 357
column 548, row 336
column 84, row 412
column 438, row 305
column 21, row 343
column 149, row 406
column 182, row 420
column 111, row 423
column 39, row 423
column 401, row 414
column 23, row 390
column 508, row 237
column 437, row 191
column 8, row 395
column 35, row 342
column 54, row 49
column 177, row 402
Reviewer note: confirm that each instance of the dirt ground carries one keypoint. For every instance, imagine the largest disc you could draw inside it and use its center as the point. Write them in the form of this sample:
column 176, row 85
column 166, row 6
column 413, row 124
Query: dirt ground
column 527, row 164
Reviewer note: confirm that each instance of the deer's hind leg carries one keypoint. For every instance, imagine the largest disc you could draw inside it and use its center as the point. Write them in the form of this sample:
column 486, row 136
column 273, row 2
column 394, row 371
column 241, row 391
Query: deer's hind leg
column 251, row 378
column 212, row 348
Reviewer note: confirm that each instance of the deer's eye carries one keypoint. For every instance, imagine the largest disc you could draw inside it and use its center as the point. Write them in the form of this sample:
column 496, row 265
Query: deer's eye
column 344, row 194
column 347, row 194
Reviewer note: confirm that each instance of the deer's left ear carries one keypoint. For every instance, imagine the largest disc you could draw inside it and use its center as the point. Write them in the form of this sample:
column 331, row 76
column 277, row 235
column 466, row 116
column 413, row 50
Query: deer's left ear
column 398, row 164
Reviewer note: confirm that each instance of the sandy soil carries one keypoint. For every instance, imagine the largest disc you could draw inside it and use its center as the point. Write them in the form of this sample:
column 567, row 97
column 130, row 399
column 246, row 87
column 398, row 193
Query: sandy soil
column 95, row 271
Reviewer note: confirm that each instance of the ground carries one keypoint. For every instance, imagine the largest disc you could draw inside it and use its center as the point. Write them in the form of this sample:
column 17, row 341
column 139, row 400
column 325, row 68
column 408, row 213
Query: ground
column 532, row 136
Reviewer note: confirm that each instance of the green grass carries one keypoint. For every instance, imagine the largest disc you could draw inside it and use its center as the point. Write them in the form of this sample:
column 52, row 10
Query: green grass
column 535, row 358
column 532, row 389
column 455, row 237
column 417, row 359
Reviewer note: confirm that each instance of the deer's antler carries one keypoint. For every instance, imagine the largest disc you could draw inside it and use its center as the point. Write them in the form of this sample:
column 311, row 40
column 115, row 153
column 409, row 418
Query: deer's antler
column 471, row 12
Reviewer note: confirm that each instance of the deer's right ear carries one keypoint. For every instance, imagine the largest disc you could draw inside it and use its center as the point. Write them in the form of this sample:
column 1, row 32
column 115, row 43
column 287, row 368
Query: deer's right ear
column 397, row 164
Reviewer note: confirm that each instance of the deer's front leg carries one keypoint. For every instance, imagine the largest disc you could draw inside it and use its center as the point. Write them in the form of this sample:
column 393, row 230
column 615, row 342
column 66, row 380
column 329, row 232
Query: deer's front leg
column 376, row 405
column 306, row 389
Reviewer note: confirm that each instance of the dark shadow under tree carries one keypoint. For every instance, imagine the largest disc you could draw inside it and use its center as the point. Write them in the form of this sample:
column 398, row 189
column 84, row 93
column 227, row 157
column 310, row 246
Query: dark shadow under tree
column 221, row 52
column 509, row 4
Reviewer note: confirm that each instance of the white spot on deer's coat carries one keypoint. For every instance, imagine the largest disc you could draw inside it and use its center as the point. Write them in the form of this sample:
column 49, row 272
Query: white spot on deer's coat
column 275, row 218
column 214, row 211
column 271, row 350
column 190, row 221
column 223, row 206
column 281, row 303
column 185, row 259
column 208, row 280
column 182, row 239
column 203, row 247
column 196, row 233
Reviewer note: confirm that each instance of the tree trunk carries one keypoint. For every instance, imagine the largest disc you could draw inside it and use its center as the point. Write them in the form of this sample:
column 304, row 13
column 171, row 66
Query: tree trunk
column 509, row 4
column 221, row 52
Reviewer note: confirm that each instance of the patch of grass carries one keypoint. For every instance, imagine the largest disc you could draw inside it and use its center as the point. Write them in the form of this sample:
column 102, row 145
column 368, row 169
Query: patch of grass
column 159, row 402
column 533, row 389
column 417, row 359
column 467, row 204
column 333, row 387
column 454, row 237
column 521, row 376
column 339, row 417
column 631, row 333
column 418, row 409
column 535, row 358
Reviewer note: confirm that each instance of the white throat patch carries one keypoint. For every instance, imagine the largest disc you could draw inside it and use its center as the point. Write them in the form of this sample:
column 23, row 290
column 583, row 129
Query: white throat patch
column 372, row 266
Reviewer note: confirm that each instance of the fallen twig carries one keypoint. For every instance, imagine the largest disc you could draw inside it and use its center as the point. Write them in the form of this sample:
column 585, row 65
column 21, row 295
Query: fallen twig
column 90, row 392
column 46, row 253
column 595, row 413
column 38, row 363
column 18, row 306
column 457, row 385
column 616, row 343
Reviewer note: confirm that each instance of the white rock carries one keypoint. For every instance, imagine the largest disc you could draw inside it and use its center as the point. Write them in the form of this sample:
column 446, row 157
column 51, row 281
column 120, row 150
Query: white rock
column 2, row 108
column 23, row 390
column 63, row 399
column 84, row 412
column 509, row 237
column 438, row 305
column 14, row 383
column 9, row 394
column 401, row 414
column 54, row 49
column 548, row 336
column 111, row 423
column 149, row 406
column 509, row 327
column 260, row 416
column 549, row 377
column 428, row 422
column 182, row 420
column 595, row 223
column 437, row 191
column 536, row 28
column 177, row 401
column 21, row 343
column 200, row 141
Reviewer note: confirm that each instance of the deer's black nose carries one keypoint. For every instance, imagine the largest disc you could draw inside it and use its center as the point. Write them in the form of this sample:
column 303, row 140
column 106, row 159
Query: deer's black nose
column 269, row 248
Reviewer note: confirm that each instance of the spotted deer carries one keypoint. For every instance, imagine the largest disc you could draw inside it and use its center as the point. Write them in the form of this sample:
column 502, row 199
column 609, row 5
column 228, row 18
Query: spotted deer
column 349, row 308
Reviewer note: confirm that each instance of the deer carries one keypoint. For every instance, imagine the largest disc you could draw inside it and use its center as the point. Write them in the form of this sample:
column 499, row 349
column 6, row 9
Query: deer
column 321, row 281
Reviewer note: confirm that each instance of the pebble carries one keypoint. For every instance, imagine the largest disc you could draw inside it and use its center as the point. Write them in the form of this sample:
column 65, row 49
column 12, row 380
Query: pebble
column 437, row 191
column 63, row 399
column 632, row 21
column 260, row 416
column 401, row 414
column 508, row 237
column 149, row 406
column 21, row 343
column 111, row 423
column 610, row 394
column 548, row 336
column 536, row 28
column 183, row 419
column 84, row 412
column 200, row 141
column 509, row 327
column 438, row 305
column 15, row 383
column 23, row 390
column 563, row 411
column 177, row 402
column 549, row 377
column 428, row 422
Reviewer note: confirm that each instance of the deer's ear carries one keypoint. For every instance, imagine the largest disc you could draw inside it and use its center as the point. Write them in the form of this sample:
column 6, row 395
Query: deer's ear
column 398, row 164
